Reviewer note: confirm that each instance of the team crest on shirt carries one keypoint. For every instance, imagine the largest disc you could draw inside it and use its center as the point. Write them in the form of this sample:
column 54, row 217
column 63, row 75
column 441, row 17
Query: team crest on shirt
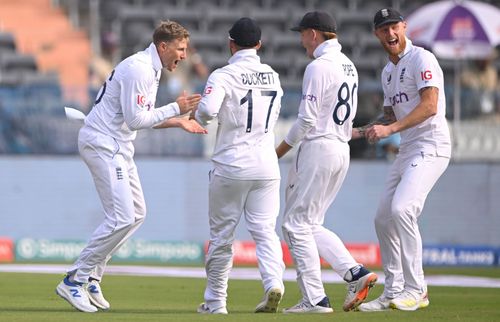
column 402, row 76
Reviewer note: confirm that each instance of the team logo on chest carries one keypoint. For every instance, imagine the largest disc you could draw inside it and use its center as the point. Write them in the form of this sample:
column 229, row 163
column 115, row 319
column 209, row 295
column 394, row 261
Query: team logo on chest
column 402, row 76
column 119, row 173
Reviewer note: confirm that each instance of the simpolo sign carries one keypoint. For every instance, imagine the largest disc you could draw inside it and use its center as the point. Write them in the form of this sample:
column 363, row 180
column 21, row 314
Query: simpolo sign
column 29, row 249
column 166, row 252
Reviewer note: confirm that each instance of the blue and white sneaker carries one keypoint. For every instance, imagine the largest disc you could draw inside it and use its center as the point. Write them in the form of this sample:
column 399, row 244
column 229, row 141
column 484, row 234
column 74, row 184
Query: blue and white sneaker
column 360, row 282
column 95, row 295
column 76, row 295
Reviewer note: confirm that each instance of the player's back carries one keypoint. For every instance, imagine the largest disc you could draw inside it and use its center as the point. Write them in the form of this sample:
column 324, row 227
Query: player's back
column 331, row 86
column 245, row 147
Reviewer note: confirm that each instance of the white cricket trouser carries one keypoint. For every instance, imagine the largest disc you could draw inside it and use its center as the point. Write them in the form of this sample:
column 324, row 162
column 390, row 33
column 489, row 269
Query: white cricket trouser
column 410, row 179
column 314, row 180
column 258, row 201
column 117, row 183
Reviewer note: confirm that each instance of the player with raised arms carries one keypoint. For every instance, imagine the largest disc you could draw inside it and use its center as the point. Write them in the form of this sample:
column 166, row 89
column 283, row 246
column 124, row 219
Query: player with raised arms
column 125, row 104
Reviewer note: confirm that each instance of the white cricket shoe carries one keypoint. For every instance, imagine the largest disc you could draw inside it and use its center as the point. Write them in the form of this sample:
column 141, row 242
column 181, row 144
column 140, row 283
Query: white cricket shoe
column 76, row 295
column 304, row 307
column 357, row 291
column 381, row 303
column 408, row 301
column 424, row 301
column 204, row 309
column 270, row 302
column 95, row 295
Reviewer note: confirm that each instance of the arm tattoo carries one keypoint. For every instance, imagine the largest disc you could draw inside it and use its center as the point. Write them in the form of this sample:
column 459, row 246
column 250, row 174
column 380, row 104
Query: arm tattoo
column 388, row 117
column 385, row 118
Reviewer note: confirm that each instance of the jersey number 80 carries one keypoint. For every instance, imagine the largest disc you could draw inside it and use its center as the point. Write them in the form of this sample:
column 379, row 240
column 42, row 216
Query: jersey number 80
column 343, row 100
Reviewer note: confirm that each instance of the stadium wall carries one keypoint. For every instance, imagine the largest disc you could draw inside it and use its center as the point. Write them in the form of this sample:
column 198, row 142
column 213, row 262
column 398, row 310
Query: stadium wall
column 54, row 198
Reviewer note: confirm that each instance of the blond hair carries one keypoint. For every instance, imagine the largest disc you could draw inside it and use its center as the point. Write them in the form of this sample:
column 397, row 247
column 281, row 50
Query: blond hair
column 328, row 35
column 168, row 31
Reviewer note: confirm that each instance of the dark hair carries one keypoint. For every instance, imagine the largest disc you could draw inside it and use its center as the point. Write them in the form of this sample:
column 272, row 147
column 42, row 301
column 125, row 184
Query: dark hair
column 168, row 31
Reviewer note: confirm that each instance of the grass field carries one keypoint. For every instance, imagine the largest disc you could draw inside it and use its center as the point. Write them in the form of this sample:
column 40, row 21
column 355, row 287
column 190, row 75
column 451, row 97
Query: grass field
column 31, row 297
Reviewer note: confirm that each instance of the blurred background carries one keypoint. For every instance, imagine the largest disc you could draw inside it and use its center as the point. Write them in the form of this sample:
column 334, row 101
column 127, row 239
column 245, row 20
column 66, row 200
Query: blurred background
column 58, row 53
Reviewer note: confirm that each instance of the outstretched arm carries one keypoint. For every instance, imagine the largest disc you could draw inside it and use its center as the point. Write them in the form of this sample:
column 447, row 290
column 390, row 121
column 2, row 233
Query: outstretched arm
column 183, row 122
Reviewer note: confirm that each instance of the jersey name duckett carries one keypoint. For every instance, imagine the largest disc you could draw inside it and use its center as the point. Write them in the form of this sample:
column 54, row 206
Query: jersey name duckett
column 258, row 78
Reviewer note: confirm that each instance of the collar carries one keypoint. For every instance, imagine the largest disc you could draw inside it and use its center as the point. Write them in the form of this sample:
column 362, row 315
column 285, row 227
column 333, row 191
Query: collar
column 155, row 58
column 408, row 48
column 327, row 46
column 244, row 55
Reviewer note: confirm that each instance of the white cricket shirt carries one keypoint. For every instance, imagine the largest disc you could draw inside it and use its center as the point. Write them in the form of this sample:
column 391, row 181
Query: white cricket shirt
column 126, row 100
column 329, row 97
column 245, row 96
column 417, row 68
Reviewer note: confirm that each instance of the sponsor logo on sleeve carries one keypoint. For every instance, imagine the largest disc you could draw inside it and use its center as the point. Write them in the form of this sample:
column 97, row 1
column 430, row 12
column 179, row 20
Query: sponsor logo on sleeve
column 141, row 100
column 426, row 75
column 208, row 90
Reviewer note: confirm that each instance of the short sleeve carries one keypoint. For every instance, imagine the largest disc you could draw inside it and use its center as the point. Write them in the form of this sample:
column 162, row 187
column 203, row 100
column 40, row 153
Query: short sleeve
column 427, row 71
column 213, row 96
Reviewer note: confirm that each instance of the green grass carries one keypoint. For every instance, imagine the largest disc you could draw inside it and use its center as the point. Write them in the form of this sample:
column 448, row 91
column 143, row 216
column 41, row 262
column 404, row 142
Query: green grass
column 31, row 297
column 469, row 271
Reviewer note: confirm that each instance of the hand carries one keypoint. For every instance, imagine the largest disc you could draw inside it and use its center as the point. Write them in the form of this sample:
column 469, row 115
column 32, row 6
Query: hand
column 357, row 133
column 377, row 132
column 187, row 103
column 192, row 115
column 191, row 126
column 282, row 149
